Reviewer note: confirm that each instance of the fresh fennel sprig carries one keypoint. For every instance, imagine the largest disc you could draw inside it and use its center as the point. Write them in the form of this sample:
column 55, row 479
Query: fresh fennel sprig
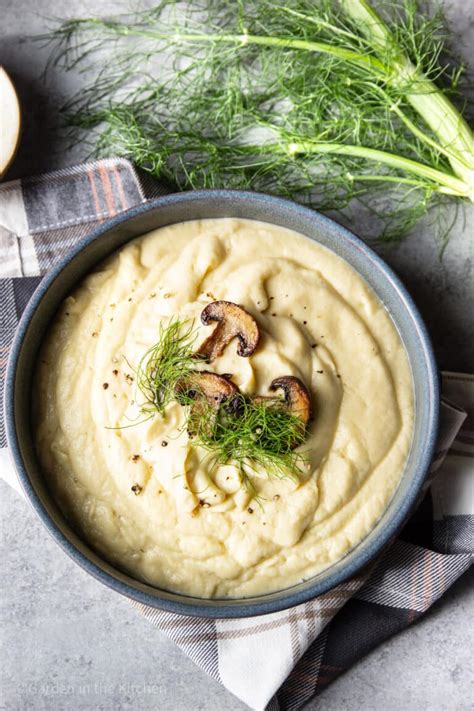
column 164, row 364
column 320, row 101
column 263, row 437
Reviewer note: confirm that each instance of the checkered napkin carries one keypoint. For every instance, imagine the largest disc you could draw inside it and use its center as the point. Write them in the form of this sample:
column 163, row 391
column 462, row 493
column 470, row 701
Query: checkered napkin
column 277, row 661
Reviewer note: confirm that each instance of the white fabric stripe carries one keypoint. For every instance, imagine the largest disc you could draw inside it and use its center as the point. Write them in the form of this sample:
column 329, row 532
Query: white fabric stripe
column 12, row 208
column 10, row 260
column 29, row 259
column 252, row 676
column 13, row 224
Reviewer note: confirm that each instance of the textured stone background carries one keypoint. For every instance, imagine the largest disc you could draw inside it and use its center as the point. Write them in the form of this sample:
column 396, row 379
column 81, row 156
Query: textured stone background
column 67, row 642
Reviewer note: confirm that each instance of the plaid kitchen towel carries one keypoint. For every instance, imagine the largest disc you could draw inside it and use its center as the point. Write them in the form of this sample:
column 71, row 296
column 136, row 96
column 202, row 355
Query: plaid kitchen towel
column 307, row 647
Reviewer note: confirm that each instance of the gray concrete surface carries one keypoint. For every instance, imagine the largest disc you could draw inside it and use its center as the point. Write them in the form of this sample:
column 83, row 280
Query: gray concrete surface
column 67, row 642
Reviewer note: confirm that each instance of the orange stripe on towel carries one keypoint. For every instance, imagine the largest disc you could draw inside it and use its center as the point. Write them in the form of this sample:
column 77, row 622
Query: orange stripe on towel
column 90, row 175
column 108, row 192
column 121, row 191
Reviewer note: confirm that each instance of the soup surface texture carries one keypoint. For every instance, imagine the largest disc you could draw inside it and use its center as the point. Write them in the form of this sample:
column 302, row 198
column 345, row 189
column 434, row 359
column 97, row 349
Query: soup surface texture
column 157, row 506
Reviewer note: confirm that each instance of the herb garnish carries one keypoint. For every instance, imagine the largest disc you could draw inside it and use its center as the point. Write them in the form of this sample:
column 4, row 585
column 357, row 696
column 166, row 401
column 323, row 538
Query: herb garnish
column 252, row 433
column 164, row 364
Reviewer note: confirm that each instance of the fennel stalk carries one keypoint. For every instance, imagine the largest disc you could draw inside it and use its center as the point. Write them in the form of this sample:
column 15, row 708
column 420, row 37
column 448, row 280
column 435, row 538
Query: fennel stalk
column 454, row 136
column 329, row 102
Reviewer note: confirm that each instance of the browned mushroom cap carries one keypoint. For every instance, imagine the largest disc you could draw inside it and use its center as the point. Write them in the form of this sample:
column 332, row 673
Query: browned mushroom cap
column 233, row 321
column 205, row 387
column 296, row 396
column 202, row 383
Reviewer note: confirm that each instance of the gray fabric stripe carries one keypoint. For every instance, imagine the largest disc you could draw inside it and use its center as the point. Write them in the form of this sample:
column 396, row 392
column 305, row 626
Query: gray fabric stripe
column 81, row 194
column 302, row 682
column 23, row 290
column 15, row 294
column 451, row 420
column 8, row 324
column 454, row 534
column 411, row 577
column 54, row 205
column 53, row 245
column 152, row 188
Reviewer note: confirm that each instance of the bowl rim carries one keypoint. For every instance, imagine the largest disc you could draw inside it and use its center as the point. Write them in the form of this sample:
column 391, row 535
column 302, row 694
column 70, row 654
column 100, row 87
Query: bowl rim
column 257, row 605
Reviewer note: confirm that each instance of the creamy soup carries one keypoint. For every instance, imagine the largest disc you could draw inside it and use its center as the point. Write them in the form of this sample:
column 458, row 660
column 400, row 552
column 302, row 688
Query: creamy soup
column 141, row 492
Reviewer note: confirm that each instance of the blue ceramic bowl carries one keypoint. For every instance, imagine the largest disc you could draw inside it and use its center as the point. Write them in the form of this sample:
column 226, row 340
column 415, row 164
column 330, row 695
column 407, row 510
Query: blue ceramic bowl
column 190, row 206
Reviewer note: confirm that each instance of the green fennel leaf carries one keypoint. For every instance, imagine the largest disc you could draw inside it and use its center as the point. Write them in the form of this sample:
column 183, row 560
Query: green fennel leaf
column 256, row 436
column 164, row 364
